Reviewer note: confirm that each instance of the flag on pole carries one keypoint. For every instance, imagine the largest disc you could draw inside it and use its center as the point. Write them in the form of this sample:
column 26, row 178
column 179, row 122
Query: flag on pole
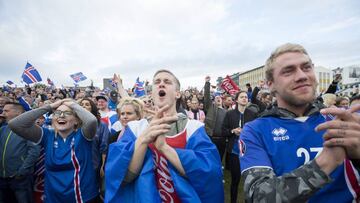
column 139, row 88
column 9, row 82
column 50, row 82
column 30, row 74
column 229, row 85
column 78, row 77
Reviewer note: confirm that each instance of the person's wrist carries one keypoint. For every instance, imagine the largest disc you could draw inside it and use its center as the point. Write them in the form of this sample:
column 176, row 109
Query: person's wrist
column 141, row 140
column 49, row 107
column 75, row 106
column 324, row 164
column 164, row 148
column 327, row 163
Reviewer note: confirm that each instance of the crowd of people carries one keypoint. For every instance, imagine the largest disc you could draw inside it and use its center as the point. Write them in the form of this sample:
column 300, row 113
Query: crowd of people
column 286, row 141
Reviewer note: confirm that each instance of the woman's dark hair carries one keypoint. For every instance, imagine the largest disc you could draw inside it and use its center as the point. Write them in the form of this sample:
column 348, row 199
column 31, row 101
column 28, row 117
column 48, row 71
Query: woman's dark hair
column 94, row 109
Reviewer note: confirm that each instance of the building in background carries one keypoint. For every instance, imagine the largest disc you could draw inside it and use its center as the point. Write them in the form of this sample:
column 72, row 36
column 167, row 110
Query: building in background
column 350, row 78
column 252, row 77
column 324, row 77
column 350, row 83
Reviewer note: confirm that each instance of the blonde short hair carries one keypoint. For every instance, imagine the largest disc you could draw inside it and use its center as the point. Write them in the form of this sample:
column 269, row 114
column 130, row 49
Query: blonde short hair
column 285, row 48
column 177, row 82
column 136, row 103
column 329, row 99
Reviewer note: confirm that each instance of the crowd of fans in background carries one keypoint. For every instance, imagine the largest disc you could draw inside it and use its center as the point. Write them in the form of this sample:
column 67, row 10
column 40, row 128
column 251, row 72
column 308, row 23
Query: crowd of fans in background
column 221, row 112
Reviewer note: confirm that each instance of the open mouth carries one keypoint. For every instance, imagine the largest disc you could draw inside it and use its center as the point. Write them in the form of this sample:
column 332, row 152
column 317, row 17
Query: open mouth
column 162, row 93
column 61, row 122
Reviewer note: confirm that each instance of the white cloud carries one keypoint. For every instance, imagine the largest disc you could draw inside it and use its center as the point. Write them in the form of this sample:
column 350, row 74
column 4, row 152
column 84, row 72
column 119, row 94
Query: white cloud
column 192, row 38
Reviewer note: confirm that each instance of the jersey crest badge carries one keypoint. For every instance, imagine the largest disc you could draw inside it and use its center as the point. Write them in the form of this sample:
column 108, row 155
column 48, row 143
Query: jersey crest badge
column 280, row 134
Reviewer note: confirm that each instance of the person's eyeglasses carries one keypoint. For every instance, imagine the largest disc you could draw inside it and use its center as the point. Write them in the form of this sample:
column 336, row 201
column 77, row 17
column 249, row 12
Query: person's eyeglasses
column 58, row 113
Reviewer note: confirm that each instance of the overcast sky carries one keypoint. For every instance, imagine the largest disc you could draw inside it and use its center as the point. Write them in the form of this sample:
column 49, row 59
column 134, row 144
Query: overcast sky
column 192, row 38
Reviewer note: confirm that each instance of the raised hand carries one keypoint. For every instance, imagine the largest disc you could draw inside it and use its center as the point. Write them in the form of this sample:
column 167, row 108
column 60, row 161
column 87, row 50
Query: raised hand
column 56, row 104
column 149, row 111
column 117, row 79
column 68, row 102
column 338, row 77
column 207, row 79
column 159, row 125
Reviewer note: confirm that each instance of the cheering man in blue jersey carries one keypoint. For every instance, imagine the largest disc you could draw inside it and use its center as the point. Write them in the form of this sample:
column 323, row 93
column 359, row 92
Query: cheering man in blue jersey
column 167, row 159
column 297, row 151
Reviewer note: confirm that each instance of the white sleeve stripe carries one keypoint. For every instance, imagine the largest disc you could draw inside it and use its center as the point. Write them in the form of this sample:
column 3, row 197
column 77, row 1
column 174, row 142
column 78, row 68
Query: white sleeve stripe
column 267, row 167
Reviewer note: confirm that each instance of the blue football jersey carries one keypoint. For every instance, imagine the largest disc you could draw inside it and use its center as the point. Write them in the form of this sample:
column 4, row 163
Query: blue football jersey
column 69, row 175
column 286, row 144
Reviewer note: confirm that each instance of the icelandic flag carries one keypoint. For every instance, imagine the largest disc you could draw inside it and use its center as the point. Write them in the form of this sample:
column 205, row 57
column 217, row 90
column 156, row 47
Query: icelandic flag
column 107, row 90
column 202, row 184
column 50, row 82
column 113, row 83
column 24, row 103
column 110, row 119
column 6, row 88
column 77, row 77
column 30, row 74
column 9, row 82
column 139, row 88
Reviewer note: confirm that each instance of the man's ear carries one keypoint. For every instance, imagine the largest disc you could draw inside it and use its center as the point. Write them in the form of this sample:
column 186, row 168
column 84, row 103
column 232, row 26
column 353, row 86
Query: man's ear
column 178, row 94
column 270, row 85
